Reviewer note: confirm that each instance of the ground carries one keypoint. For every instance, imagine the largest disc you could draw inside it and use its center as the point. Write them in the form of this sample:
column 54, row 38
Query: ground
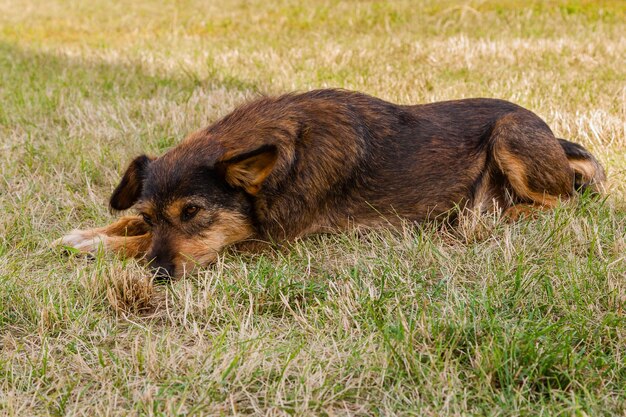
column 490, row 318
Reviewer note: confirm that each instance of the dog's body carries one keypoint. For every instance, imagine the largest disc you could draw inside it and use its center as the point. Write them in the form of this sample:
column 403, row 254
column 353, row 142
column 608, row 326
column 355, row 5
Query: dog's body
column 326, row 160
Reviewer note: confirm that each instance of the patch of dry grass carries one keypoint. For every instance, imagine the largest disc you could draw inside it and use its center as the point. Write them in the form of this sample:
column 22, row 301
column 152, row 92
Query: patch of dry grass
column 489, row 318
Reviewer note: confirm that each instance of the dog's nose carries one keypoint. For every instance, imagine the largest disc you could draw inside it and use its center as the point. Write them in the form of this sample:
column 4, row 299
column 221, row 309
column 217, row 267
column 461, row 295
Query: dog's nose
column 163, row 271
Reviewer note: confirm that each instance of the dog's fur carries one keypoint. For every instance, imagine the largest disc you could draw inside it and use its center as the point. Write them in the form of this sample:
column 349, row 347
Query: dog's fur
column 283, row 167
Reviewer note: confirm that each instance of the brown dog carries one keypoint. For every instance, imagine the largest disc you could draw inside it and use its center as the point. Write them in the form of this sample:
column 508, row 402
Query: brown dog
column 279, row 168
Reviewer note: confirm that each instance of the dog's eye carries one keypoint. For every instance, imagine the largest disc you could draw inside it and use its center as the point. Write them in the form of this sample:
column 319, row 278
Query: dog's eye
column 146, row 219
column 188, row 212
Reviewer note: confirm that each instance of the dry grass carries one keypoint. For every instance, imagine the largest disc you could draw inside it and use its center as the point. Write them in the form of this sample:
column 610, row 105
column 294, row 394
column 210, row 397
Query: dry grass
column 489, row 318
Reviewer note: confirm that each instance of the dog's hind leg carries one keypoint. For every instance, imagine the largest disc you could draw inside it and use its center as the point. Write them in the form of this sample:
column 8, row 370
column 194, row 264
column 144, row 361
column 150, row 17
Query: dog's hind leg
column 128, row 236
column 533, row 163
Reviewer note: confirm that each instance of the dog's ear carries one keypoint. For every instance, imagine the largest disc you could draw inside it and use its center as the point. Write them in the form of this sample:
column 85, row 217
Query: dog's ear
column 248, row 170
column 129, row 189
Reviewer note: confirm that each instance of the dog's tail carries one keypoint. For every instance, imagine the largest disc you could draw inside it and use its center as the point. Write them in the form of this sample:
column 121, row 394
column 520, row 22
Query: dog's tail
column 588, row 173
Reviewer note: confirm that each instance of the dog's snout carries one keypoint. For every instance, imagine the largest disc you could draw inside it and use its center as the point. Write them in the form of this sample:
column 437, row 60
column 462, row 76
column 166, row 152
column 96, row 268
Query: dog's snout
column 163, row 273
column 163, row 269
column 161, row 259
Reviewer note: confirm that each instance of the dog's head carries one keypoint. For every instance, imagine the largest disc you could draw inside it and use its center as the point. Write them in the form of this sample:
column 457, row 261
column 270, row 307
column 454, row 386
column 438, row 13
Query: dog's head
column 194, row 204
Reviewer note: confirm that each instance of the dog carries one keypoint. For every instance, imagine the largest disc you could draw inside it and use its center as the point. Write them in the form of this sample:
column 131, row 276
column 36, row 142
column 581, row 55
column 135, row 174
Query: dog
column 279, row 168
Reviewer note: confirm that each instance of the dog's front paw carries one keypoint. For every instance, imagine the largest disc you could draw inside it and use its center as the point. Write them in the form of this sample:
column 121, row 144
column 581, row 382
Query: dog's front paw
column 83, row 241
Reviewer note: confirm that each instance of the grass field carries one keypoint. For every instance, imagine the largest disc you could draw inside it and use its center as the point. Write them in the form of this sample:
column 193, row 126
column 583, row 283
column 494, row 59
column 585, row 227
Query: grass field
column 488, row 319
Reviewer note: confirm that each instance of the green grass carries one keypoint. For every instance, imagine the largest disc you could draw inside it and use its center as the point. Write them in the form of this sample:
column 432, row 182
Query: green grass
column 487, row 319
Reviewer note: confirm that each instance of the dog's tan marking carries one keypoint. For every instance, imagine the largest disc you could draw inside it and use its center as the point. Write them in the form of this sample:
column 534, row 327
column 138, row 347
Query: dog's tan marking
column 229, row 228
column 174, row 210
column 515, row 171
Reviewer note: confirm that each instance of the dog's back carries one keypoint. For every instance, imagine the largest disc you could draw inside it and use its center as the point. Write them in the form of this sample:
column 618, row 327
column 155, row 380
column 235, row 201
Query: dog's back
column 346, row 158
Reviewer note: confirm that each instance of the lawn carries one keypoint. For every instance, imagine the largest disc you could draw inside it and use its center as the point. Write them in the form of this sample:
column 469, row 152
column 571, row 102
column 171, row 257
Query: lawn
column 489, row 318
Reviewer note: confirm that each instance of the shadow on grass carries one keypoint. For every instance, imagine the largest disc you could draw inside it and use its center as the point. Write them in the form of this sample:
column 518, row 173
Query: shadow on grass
column 33, row 83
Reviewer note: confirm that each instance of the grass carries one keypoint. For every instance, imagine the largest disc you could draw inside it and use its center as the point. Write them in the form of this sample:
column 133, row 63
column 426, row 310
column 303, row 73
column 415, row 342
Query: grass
column 488, row 319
